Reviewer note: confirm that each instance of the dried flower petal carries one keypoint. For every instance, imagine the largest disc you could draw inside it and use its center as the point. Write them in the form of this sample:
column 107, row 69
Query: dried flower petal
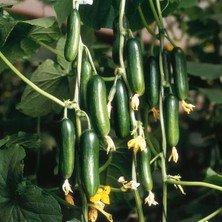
column 66, row 187
column 134, row 103
column 174, row 155
column 187, row 107
column 150, row 199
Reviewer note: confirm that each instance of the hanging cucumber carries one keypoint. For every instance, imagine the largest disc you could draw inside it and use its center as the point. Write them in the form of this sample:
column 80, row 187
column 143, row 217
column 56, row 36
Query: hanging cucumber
column 135, row 74
column 152, row 82
column 172, row 124
column 181, row 78
column 97, row 105
column 67, row 152
column 144, row 170
column 180, row 73
column 73, row 36
column 86, row 74
column 89, row 153
column 121, row 110
column 166, row 66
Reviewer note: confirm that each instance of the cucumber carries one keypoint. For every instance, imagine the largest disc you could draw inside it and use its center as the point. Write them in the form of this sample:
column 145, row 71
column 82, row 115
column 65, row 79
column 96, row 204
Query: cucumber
column 152, row 82
column 144, row 169
column 89, row 153
column 121, row 110
column 135, row 74
column 172, row 120
column 166, row 66
column 180, row 73
column 73, row 36
column 67, row 151
column 86, row 74
column 97, row 105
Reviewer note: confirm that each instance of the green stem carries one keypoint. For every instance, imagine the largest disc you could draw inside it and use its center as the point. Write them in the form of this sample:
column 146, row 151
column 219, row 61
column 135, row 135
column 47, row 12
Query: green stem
column 90, row 58
column 144, row 22
column 48, row 47
column 107, row 163
column 211, row 215
column 136, row 193
column 193, row 183
column 30, row 83
column 155, row 13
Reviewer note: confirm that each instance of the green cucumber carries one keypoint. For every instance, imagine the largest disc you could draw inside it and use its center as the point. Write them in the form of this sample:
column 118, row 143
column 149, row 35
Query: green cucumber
column 144, row 169
column 152, row 82
column 97, row 105
column 172, row 120
column 67, row 151
column 180, row 73
column 86, row 74
column 121, row 110
column 73, row 36
column 135, row 74
column 89, row 160
column 166, row 66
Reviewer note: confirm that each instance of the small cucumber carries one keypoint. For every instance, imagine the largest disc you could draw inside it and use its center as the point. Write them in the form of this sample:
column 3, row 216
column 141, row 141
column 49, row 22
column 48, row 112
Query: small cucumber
column 89, row 153
column 152, row 82
column 144, row 170
column 180, row 73
column 135, row 74
column 97, row 105
column 67, row 151
column 172, row 120
column 121, row 110
column 73, row 36
column 166, row 66
column 86, row 74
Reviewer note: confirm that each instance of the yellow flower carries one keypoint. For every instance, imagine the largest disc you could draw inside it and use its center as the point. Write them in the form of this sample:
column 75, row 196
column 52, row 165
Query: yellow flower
column 101, row 195
column 137, row 143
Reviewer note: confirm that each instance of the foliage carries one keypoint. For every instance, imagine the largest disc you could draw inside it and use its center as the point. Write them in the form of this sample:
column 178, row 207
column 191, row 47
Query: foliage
column 30, row 181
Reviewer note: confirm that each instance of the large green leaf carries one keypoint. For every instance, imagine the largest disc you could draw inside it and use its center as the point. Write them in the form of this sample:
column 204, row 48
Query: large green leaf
column 188, row 3
column 204, row 70
column 50, row 78
column 214, row 95
column 20, row 201
column 30, row 141
column 62, row 9
column 213, row 177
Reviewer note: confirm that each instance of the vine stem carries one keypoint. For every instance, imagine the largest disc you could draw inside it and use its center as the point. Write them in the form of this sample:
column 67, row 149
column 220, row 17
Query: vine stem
column 136, row 193
column 193, row 183
column 211, row 215
column 144, row 22
column 30, row 83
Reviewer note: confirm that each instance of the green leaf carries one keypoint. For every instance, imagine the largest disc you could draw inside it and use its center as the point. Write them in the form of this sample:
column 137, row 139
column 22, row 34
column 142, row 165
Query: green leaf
column 44, row 22
column 204, row 70
column 62, row 9
column 188, row 3
column 98, row 15
column 61, row 60
column 214, row 95
column 20, row 201
column 7, row 5
column 120, row 166
column 6, row 27
column 50, row 78
column 30, row 141
column 213, row 177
